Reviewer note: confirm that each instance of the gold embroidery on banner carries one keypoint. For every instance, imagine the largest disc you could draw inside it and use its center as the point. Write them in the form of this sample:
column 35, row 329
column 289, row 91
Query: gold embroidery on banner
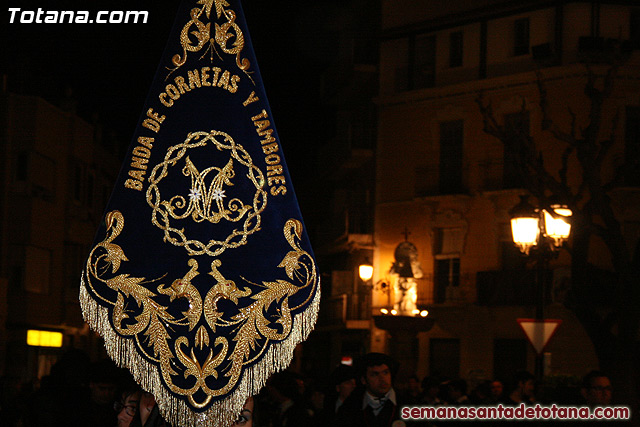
column 182, row 288
column 202, row 338
column 223, row 288
column 203, row 197
column 152, row 329
column 206, row 199
column 228, row 36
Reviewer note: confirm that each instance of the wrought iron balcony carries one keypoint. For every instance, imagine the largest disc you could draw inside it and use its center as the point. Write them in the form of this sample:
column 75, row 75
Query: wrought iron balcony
column 345, row 311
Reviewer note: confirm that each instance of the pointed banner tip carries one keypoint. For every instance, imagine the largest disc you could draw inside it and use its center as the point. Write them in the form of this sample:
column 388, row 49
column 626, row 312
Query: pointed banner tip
column 202, row 280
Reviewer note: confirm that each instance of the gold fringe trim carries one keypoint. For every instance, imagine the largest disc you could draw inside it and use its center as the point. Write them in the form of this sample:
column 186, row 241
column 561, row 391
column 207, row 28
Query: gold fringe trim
column 176, row 411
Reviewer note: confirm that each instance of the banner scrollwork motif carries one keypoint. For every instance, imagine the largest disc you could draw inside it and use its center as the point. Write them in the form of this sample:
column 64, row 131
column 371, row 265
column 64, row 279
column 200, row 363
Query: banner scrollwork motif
column 139, row 310
column 227, row 36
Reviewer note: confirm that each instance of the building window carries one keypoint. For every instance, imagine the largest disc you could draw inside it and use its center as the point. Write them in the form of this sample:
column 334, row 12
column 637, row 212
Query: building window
column 449, row 241
column 444, row 357
column 83, row 184
column 450, row 165
column 422, row 62
column 448, row 245
column 22, row 167
column 634, row 28
column 447, row 278
column 42, row 176
column 521, row 37
column 399, row 51
column 632, row 146
column 415, row 62
column 516, row 128
column 455, row 49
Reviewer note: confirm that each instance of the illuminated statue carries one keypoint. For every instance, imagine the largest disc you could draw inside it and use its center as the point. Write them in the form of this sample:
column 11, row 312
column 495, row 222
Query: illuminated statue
column 407, row 267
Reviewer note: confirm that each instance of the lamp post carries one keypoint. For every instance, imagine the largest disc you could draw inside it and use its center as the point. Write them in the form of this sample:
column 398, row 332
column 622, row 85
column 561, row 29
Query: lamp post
column 365, row 271
column 540, row 233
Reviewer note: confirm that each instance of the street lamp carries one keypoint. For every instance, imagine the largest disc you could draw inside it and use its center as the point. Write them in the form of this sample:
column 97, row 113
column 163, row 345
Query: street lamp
column 545, row 231
column 366, row 272
column 529, row 223
column 525, row 225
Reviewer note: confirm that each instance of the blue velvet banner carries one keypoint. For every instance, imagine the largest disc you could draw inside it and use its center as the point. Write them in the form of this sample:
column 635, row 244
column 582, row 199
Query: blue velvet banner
column 202, row 279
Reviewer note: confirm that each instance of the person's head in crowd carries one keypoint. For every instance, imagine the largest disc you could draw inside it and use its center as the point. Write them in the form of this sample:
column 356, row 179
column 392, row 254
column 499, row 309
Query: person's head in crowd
column 127, row 406
column 482, row 393
column 146, row 407
column 300, row 381
column 344, row 381
column 523, row 389
column 103, row 382
column 376, row 373
column 430, row 389
column 497, row 388
column 245, row 419
column 456, row 390
column 413, row 385
column 596, row 389
column 71, row 371
column 283, row 386
column 315, row 396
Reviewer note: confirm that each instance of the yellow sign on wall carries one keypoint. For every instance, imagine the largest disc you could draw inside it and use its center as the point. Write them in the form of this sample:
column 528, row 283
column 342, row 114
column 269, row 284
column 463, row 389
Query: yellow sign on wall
column 44, row 338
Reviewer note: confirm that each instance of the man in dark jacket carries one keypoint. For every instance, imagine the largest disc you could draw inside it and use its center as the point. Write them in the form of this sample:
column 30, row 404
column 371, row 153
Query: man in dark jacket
column 375, row 404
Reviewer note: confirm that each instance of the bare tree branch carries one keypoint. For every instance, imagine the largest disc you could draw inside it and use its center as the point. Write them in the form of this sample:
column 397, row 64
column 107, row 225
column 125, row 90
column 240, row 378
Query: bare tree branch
column 609, row 80
column 547, row 122
column 591, row 202
column 491, row 126
column 565, row 164
column 606, row 144
column 597, row 98
column 573, row 123
column 580, row 193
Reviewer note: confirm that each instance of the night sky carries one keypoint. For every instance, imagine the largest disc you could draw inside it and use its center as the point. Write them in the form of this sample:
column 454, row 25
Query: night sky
column 110, row 67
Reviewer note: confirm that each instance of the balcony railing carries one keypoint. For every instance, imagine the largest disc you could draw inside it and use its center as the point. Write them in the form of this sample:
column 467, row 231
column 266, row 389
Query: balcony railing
column 337, row 311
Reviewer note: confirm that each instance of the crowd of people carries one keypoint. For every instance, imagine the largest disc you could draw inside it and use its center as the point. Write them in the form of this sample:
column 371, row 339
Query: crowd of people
column 101, row 395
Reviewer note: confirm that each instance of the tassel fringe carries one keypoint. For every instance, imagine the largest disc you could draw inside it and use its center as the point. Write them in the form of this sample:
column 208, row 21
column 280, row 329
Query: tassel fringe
column 176, row 411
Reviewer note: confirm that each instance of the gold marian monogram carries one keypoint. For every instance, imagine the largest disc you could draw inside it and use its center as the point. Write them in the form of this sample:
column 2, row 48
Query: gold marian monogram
column 169, row 340
column 207, row 194
column 204, row 199
column 222, row 36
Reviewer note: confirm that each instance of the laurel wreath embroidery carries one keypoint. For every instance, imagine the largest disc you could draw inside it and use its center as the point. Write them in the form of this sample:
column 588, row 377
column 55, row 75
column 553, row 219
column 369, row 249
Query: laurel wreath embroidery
column 206, row 200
